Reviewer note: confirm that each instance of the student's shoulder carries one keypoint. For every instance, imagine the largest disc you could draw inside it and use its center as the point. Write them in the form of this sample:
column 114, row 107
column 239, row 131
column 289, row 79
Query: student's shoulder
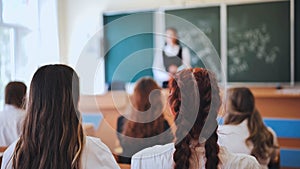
column 96, row 153
column 157, row 150
column 159, row 156
column 95, row 144
column 233, row 128
column 226, row 128
column 7, row 155
column 237, row 160
column 12, row 114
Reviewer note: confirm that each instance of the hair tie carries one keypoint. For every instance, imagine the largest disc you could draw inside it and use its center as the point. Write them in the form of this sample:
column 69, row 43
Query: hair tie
column 202, row 140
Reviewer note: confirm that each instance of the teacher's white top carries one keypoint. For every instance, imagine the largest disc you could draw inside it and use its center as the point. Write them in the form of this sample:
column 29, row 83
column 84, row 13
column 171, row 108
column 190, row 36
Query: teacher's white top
column 159, row 157
column 95, row 155
column 11, row 119
column 159, row 71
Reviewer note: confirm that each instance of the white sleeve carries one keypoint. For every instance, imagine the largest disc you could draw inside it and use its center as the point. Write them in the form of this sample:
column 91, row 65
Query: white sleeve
column 158, row 69
column 7, row 156
column 230, row 160
column 186, row 57
column 154, row 158
column 96, row 153
column 244, row 161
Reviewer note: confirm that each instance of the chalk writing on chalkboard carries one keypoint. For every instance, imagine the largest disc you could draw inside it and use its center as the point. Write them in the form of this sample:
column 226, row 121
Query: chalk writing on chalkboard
column 254, row 41
column 202, row 49
column 202, row 46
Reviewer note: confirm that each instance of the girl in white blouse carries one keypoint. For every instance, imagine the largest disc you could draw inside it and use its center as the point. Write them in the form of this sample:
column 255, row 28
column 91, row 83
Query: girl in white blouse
column 244, row 130
column 52, row 135
column 195, row 101
column 13, row 112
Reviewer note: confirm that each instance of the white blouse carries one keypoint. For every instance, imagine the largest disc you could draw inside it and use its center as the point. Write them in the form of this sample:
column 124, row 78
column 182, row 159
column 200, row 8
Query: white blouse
column 95, row 155
column 11, row 119
column 159, row 70
column 161, row 157
column 233, row 137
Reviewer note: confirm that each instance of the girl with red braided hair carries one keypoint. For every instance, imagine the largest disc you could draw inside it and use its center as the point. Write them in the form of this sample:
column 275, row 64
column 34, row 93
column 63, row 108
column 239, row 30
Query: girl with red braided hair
column 194, row 99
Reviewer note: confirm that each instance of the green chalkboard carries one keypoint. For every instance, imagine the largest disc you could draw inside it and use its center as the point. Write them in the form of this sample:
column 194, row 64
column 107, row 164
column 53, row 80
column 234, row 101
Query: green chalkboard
column 207, row 20
column 128, row 46
column 259, row 42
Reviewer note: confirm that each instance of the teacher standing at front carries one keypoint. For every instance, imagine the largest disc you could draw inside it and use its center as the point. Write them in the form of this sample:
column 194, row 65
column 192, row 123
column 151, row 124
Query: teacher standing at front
column 173, row 58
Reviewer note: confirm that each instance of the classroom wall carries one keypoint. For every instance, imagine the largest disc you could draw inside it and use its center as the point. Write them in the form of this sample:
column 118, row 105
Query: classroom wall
column 79, row 20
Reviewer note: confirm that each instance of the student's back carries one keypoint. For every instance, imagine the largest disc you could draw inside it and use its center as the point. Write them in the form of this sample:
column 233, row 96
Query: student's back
column 195, row 101
column 146, row 125
column 13, row 113
column 52, row 135
column 244, row 130
column 94, row 154
column 161, row 156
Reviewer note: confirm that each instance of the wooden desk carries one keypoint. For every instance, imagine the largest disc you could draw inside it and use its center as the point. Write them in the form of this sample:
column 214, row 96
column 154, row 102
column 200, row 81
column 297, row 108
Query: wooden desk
column 111, row 105
column 89, row 129
column 275, row 103
column 124, row 166
column 270, row 102
column 101, row 103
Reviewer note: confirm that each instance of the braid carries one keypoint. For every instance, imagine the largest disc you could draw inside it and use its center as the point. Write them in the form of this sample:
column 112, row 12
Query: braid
column 191, row 100
column 210, row 109
column 179, row 102
column 211, row 151
column 182, row 153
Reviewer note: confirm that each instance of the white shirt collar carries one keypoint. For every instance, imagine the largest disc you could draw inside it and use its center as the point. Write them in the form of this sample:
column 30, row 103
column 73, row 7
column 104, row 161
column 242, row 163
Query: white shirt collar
column 171, row 50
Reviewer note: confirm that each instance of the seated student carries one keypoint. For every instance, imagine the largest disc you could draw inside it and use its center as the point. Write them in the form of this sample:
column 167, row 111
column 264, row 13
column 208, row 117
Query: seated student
column 52, row 135
column 244, row 130
column 195, row 101
column 13, row 113
column 146, row 125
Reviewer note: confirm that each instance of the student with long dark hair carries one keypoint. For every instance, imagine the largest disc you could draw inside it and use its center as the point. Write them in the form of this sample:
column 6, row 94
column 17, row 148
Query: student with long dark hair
column 244, row 130
column 52, row 135
column 13, row 114
column 146, row 121
column 195, row 101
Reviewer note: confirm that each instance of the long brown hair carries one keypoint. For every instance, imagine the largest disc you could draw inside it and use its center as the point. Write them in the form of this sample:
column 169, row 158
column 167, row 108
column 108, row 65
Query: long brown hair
column 148, row 106
column 52, row 135
column 195, row 105
column 241, row 106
